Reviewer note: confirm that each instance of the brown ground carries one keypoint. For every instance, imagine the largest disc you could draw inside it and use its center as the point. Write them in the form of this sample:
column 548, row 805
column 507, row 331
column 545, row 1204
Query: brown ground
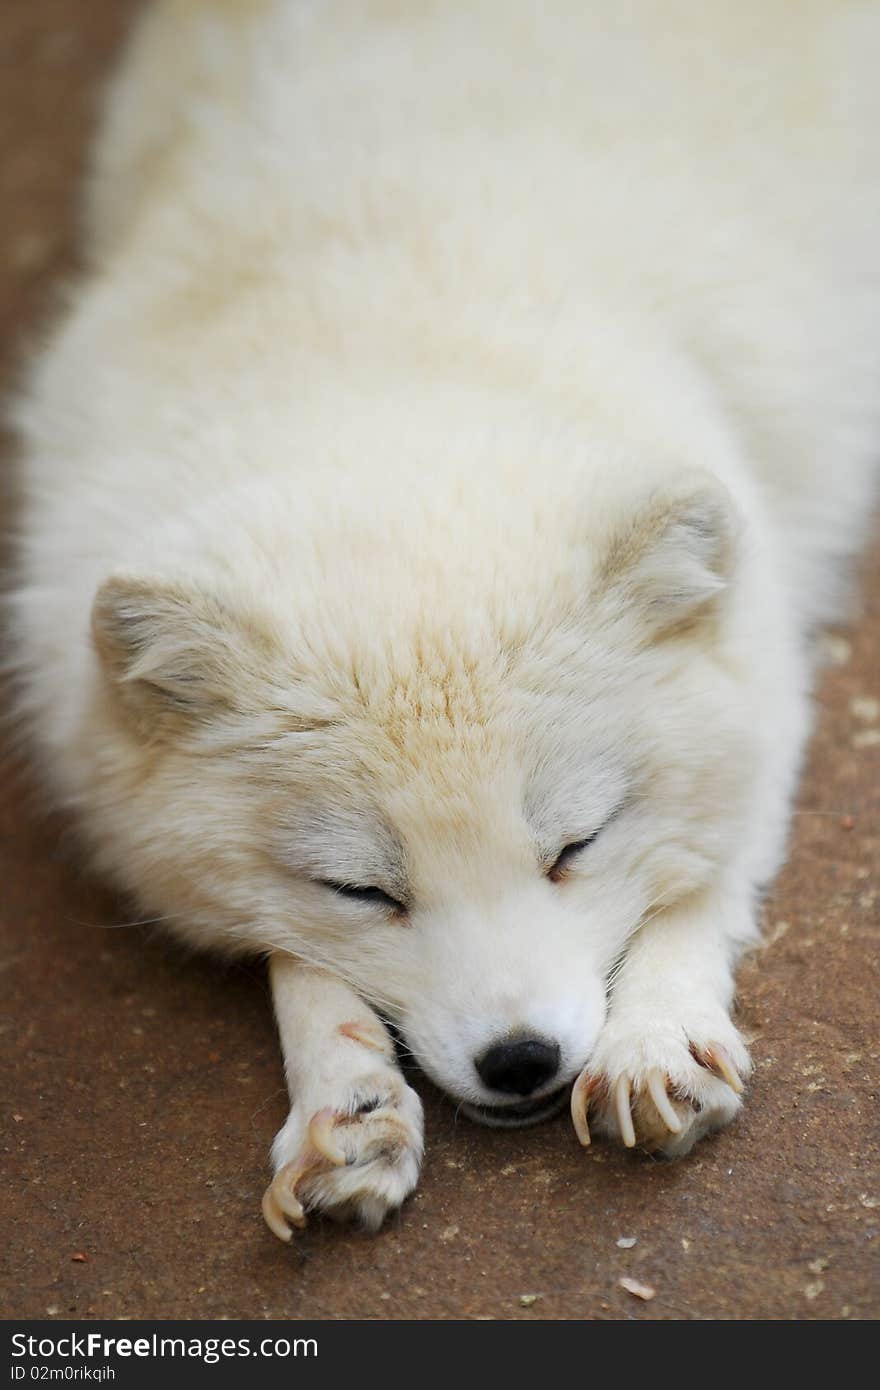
column 144, row 1087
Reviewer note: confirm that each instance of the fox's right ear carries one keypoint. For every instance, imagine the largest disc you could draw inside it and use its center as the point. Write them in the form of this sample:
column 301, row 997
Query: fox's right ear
column 174, row 654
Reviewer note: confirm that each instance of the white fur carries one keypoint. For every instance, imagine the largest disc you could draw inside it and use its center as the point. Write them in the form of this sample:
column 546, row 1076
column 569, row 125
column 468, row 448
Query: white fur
column 463, row 421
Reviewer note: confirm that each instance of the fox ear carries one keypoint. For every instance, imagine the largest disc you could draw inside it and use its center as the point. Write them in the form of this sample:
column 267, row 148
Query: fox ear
column 676, row 557
column 173, row 654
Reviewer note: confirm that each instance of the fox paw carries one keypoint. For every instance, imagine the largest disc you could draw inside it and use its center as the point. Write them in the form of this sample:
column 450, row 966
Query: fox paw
column 662, row 1089
column 355, row 1160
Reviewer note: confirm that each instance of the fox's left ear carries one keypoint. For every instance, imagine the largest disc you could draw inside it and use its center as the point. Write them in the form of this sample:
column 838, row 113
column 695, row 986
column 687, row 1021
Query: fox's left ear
column 675, row 558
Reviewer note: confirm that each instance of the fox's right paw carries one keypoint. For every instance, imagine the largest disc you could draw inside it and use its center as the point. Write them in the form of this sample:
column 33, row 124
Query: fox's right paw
column 357, row 1158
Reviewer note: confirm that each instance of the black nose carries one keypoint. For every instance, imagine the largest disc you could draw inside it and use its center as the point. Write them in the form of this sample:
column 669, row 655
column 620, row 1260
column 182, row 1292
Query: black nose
column 519, row 1067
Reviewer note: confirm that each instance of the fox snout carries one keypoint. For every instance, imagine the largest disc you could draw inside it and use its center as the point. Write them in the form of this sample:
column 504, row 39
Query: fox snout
column 519, row 1066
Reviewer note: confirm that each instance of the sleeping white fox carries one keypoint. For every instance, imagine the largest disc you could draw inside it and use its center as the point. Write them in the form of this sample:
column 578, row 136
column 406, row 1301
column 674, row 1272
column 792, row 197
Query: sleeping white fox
column 427, row 501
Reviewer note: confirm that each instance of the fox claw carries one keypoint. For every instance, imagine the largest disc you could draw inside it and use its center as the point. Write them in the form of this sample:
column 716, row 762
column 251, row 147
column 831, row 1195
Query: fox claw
column 321, row 1137
column 582, row 1090
column 623, row 1108
column 280, row 1202
column 715, row 1058
column 657, row 1090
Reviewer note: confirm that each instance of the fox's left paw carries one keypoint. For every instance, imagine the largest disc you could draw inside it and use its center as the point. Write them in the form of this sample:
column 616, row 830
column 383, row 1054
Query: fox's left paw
column 661, row 1086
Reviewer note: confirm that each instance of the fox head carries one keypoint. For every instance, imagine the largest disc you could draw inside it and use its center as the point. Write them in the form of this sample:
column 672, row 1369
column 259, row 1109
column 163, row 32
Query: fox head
column 455, row 763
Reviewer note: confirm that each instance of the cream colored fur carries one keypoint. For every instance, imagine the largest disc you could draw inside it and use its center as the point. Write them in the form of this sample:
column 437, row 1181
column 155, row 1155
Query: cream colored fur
column 445, row 460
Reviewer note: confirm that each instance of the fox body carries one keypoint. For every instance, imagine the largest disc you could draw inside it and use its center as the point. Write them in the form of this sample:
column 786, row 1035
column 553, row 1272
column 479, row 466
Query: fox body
column 428, row 498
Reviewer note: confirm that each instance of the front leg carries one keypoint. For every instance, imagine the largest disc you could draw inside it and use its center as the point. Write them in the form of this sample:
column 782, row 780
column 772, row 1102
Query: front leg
column 352, row 1143
column 669, row 1064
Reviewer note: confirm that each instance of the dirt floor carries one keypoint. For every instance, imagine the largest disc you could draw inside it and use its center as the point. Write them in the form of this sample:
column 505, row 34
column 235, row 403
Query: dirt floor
column 142, row 1088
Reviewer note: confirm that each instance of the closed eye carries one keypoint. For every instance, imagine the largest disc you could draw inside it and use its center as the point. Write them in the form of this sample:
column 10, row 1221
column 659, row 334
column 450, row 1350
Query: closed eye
column 372, row 897
column 557, row 871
